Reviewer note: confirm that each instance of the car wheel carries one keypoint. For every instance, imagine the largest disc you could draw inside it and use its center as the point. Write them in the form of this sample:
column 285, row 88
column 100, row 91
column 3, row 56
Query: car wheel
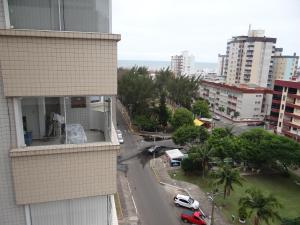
column 177, row 204
column 184, row 220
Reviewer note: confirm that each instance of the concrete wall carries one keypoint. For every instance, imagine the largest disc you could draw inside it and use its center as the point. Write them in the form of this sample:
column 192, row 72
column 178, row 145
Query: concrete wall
column 2, row 17
column 48, row 63
column 10, row 213
column 50, row 173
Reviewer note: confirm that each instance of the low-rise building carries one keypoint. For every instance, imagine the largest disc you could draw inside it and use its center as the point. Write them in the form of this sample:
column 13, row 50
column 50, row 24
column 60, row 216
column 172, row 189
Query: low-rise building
column 241, row 103
column 285, row 110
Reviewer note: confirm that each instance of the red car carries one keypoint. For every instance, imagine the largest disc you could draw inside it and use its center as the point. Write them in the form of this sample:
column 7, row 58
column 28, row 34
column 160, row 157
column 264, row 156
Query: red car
column 193, row 217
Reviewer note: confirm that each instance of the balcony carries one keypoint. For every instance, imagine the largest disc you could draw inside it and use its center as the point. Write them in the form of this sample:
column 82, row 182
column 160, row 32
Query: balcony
column 292, row 115
column 58, row 63
column 293, row 105
column 293, row 96
column 276, row 101
column 275, row 109
column 277, row 92
column 290, row 124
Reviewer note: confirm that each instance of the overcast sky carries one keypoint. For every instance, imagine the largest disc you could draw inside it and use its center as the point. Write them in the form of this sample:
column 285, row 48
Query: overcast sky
column 157, row 29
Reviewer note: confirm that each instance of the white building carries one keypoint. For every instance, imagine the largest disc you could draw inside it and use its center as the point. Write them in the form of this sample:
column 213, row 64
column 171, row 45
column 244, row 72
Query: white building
column 221, row 65
column 183, row 64
column 241, row 103
column 248, row 59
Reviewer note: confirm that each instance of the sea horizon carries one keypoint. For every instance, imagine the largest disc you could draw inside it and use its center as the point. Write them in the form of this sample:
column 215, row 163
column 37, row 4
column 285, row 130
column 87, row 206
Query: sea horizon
column 160, row 64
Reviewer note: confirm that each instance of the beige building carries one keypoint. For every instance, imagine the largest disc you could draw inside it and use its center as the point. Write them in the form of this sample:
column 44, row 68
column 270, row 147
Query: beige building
column 58, row 82
column 285, row 111
column 242, row 103
column 221, row 65
column 248, row 59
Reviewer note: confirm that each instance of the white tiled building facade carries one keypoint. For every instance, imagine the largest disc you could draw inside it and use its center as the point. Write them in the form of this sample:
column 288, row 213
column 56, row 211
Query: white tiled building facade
column 58, row 82
column 238, row 103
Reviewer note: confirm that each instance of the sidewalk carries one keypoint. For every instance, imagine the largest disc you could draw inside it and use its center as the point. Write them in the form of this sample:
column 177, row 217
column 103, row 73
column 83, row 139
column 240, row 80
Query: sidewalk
column 160, row 169
column 129, row 213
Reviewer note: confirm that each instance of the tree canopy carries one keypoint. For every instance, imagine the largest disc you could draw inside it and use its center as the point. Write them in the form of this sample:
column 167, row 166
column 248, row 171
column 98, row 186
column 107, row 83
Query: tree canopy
column 200, row 108
column 182, row 116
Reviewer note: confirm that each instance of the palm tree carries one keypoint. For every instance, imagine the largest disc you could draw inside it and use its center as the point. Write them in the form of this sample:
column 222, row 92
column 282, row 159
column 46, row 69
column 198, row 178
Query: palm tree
column 263, row 207
column 203, row 154
column 227, row 176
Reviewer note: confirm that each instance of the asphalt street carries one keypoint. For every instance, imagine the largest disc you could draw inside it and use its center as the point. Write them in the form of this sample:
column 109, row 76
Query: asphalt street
column 153, row 205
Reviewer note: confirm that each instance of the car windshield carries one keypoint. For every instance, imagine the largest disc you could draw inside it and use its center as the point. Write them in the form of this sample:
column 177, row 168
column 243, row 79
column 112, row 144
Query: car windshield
column 191, row 201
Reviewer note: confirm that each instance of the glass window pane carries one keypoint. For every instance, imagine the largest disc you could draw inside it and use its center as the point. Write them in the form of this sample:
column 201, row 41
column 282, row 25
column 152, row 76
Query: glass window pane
column 34, row 14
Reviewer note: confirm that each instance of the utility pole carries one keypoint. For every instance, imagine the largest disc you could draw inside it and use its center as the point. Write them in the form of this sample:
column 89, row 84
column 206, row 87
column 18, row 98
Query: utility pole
column 212, row 210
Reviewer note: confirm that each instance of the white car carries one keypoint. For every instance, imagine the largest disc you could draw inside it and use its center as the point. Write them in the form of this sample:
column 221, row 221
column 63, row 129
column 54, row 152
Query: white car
column 215, row 117
column 119, row 132
column 186, row 201
column 120, row 138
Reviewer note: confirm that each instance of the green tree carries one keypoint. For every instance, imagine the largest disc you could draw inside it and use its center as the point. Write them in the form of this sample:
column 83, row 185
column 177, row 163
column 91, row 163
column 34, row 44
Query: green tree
column 227, row 176
column 264, row 149
column 182, row 116
column 183, row 89
column 144, row 122
column 200, row 108
column 262, row 207
column 221, row 109
column 186, row 134
column 164, row 115
column 203, row 154
column 203, row 135
column 136, row 90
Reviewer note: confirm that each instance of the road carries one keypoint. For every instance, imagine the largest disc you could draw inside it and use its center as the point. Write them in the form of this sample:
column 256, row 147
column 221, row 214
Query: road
column 153, row 206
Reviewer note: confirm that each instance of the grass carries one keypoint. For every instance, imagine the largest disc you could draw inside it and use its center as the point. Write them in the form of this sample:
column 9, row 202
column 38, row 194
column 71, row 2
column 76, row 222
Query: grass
column 283, row 188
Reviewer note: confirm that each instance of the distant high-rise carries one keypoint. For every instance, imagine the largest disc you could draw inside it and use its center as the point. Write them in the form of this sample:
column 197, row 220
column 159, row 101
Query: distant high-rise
column 183, row 64
column 284, row 66
column 248, row 59
column 221, row 65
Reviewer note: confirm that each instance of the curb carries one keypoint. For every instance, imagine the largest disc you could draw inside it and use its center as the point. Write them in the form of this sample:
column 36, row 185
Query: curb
column 155, row 174
column 119, row 203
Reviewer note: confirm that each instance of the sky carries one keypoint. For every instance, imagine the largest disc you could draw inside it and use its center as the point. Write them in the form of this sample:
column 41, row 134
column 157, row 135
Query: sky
column 156, row 29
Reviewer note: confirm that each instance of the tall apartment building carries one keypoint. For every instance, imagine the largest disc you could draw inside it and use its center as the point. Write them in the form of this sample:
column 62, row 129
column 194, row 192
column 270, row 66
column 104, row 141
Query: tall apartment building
column 284, row 66
column 285, row 112
column 58, row 79
column 248, row 59
column 242, row 103
column 221, row 65
column 183, row 64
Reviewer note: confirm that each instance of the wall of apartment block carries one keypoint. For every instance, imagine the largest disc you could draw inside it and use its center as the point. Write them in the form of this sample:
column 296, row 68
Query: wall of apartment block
column 10, row 213
column 50, row 173
column 51, row 63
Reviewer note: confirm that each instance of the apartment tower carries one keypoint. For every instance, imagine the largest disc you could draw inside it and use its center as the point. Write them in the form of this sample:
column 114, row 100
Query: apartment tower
column 248, row 59
column 183, row 64
column 58, row 82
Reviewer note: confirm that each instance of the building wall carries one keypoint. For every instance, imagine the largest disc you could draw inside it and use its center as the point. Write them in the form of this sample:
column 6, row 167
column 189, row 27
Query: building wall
column 46, row 63
column 261, row 63
column 50, row 173
column 251, row 105
column 10, row 213
column 72, row 211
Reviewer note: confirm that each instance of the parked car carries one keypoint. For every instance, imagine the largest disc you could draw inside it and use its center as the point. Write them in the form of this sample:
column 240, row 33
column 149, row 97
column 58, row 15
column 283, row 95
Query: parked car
column 186, row 201
column 215, row 117
column 154, row 149
column 120, row 138
column 193, row 217
column 119, row 132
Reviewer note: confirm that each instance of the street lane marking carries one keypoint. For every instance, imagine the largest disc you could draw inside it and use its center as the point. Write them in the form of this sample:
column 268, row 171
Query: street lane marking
column 136, row 211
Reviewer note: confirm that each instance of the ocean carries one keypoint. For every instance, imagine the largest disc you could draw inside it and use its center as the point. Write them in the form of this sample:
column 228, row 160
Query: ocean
column 157, row 65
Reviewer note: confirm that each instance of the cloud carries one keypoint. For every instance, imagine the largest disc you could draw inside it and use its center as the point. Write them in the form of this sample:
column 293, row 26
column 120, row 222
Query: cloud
column 153, row 30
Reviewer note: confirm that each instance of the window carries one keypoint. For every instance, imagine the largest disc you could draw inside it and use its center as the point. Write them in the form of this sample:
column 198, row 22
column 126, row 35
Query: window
column 279, row 124
column 282, row 106
column 66, row 120
column 69, row 15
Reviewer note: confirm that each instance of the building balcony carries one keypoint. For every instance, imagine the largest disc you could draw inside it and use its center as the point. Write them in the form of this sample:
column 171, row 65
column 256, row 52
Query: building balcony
column 275, row 110
column 277, row 92
column 276, row 101
column 55, row 63
column 290, row 124
column 293, row 105
column 293, row 96
column 292, row 115
column 59, row 172
column 273, row 118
